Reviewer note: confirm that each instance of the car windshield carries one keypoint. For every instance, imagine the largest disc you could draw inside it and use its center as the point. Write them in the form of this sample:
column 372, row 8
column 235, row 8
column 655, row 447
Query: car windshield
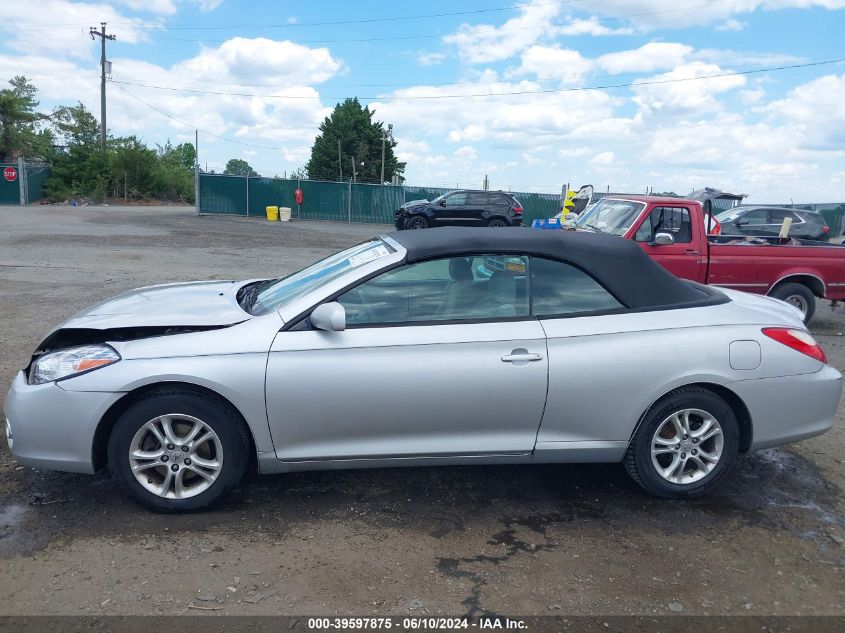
column 438, row 198
column 610, row 216
column 276, row 292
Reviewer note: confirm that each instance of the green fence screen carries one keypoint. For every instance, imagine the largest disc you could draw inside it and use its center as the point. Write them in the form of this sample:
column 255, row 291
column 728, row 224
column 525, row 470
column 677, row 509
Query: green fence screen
column 10, row 191
column 338, row 201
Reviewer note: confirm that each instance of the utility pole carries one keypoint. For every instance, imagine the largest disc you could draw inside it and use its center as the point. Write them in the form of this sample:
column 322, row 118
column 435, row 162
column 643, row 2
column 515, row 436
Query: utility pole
column 385, row 134
column 103, row 37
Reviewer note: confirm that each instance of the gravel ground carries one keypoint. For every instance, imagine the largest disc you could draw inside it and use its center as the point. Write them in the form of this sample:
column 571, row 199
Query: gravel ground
column 545, row 540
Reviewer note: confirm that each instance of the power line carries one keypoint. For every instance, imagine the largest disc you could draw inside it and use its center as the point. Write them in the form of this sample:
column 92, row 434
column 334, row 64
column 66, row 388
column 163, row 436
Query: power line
column 396, row 18
column 501, row 94
column 192, row 126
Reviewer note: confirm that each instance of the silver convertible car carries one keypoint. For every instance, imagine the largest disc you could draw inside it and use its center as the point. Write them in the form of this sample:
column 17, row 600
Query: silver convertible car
column 449, row 346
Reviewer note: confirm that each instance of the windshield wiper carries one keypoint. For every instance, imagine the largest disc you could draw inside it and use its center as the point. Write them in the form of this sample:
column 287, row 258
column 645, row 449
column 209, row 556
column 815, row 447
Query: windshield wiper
column 249, row 294
column 594, row 227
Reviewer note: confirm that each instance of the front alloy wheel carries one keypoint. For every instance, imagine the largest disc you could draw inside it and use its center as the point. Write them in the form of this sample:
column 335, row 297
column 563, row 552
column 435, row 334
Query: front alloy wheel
column 178, row 450
column 176, row 456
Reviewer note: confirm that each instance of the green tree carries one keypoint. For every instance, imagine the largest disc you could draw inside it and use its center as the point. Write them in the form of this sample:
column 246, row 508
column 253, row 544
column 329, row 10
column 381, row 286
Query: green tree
column 239, row 167
column 360, row 143
column 79, row 166
column 187, row 154
column 173, row 180
column 20, row 132
column 132, row 166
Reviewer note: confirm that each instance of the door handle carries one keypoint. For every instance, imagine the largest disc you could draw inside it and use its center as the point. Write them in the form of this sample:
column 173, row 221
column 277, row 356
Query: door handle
column 521, row 357
column 691, row 251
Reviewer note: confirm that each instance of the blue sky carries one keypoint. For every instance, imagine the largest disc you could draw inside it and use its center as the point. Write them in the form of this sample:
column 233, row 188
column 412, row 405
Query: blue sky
column 509, row 90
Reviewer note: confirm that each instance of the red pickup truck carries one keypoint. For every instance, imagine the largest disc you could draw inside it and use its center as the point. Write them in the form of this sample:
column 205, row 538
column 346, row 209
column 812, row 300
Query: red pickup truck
column 674, row 231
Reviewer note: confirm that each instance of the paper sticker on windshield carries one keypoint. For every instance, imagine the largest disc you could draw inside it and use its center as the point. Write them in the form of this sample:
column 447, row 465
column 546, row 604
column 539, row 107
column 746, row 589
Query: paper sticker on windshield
column 368, row 255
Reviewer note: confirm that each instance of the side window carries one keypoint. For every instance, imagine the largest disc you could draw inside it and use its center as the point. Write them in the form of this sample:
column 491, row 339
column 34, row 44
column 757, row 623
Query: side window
column 674, row 220
column 560, row 288
column 757, row 216
column 777, row 216
column 477, row 200
column 456, row 200
column 448, row 289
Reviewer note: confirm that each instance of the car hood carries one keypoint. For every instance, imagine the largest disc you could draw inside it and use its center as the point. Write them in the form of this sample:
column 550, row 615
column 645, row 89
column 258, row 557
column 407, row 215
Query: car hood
column 414, row 203
column 198, row 303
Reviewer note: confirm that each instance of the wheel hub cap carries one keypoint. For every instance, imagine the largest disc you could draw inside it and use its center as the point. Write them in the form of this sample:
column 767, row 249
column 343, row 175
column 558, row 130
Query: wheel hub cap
column 687, row 446
column 176, row 456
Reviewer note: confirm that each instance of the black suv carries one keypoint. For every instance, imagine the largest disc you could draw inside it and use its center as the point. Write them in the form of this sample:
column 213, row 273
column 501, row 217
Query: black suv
column 461, row 208
column 766, row 222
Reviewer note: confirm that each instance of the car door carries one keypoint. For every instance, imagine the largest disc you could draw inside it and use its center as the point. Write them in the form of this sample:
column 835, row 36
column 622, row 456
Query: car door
column 437, row 360
column 682, row 257
column 754, row 222
column 479, row 208
column 453, row 210
column 776, row 218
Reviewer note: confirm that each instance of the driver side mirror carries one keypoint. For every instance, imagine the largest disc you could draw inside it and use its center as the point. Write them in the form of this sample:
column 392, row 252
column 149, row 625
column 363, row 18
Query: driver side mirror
column 664, row 239
column 330, row 317
column 442, row 203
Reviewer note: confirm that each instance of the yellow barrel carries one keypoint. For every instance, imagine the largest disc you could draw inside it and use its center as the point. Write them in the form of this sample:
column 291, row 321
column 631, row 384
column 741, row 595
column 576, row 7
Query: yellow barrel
column 272, row 214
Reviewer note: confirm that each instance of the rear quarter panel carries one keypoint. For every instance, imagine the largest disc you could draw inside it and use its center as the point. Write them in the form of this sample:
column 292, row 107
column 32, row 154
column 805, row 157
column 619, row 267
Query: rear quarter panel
column 605, row 372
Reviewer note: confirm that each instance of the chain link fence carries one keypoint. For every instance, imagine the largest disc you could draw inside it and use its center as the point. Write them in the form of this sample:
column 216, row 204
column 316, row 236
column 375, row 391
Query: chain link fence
column 336, row 201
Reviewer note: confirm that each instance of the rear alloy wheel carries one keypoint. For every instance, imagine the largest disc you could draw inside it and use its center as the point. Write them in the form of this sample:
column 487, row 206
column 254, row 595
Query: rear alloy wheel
column 685, row 445
column 797, row 295
column 178, row 451
column 417, row 222
column 497, row 223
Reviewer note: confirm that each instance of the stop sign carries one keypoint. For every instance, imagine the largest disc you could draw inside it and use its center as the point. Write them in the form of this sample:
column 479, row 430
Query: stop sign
column 10, row 174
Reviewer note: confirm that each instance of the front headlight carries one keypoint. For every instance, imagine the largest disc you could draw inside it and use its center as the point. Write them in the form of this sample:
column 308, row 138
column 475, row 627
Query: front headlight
column 70, row 362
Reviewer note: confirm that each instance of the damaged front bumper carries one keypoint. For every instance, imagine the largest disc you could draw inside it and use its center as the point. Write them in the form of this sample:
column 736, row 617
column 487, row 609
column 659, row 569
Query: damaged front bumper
column 52, row 428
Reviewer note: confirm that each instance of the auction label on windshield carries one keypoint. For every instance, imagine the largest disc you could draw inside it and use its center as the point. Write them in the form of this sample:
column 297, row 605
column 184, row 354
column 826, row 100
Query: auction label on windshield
column 369, row 255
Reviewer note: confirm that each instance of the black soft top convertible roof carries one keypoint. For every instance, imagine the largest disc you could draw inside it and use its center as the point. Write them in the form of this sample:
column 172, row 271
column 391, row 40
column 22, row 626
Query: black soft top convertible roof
column 620, row 265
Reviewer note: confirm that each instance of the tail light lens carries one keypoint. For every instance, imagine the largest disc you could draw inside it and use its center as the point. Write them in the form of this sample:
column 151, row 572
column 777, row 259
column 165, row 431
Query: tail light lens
column 517, row 210
column 799, row 340
column 717, row 229
column 825, row 229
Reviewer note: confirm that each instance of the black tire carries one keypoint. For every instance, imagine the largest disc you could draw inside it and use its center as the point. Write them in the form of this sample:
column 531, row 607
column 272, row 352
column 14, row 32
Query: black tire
column 798, row 295
column 638, row 459
column 216, row 413
column 417, row 222
column 497, row 222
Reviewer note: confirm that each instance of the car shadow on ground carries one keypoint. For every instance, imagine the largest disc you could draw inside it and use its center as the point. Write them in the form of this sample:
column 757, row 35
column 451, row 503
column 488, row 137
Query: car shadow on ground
column 775, row 489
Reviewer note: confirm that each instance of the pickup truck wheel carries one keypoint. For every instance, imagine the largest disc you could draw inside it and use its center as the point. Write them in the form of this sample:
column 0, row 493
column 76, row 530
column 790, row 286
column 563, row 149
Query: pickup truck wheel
column 799, row 296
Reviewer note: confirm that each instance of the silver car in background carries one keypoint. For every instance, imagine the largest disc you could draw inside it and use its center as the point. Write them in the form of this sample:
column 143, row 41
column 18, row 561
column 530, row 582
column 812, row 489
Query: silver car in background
column 449, row 346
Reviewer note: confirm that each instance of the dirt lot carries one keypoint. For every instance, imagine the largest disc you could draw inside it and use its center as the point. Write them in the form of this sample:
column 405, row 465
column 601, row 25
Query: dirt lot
column 542, row 540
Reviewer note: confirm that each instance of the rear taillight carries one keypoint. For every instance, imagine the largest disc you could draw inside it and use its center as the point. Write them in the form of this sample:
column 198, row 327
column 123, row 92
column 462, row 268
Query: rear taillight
column 517, row 210
column 717, row 229
column 799, row 340
column 825, row 229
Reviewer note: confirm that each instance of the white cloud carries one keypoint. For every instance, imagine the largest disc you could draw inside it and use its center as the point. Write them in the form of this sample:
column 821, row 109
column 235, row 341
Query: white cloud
column 244, row 60
column 603, row 159
column 647, row 58
column 430, row 59
column 163, row 7
column 552, row 62
column 647, row 15
column 678, row 96
column 466, row 152
column 731, row 25
column 208, row 5
column 33, row 31
column 591, row 26
column 481, row 43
